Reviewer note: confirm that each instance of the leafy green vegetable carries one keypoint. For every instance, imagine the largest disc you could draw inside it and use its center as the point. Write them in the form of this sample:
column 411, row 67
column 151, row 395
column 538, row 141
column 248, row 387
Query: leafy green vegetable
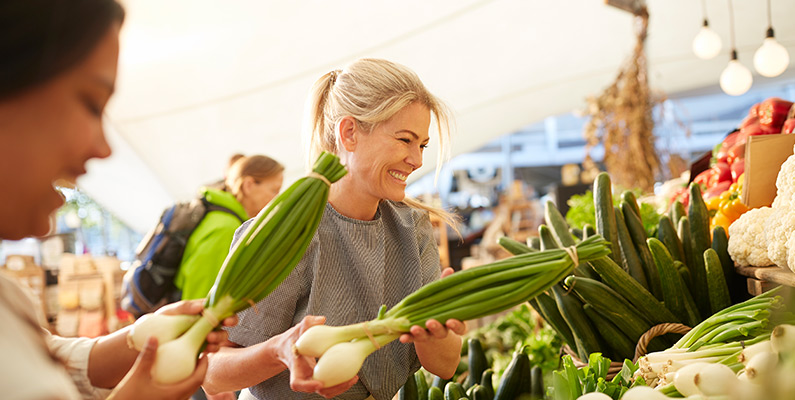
column 581, row 211
column 571, row 382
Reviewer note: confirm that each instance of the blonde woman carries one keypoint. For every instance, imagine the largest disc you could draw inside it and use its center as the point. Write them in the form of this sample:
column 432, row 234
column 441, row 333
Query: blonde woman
column 373, row 246
column 251, row 183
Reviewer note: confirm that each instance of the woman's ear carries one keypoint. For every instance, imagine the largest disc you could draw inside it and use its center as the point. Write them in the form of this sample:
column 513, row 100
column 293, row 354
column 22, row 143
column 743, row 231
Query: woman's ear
column 246, row 185
column 347, row 133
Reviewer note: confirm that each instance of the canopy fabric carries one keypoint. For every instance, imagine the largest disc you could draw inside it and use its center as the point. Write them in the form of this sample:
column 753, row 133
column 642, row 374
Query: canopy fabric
column 200, row 80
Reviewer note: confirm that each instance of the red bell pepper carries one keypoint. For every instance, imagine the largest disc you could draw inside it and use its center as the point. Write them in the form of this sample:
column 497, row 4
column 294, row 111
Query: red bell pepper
column 752, row 128
column 722, row 172
column 738, row 167
column 789, row 123
column 716, row 190
column 704, row 177
column 735, row 152
column 772, row 113
column 754, row 110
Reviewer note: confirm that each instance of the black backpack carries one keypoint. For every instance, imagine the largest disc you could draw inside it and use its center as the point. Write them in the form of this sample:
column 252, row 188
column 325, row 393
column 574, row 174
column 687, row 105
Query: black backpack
column 149, row 283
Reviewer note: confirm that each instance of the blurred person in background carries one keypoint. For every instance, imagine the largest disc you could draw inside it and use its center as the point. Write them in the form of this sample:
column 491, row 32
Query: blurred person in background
column 58, row 63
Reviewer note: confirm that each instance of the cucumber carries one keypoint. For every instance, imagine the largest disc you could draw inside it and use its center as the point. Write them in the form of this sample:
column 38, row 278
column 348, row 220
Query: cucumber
column 486, row 382
column 434, row 393
column 583, row 331
column 620, row 281
column 632, row 263
column 605, row 214
column 683, row 230
column 700, row 239
column 666, row 233
column 587, row 231
column 477, row 362
column 737, row 286
column 638, row 235
column 611, row 305
column 677, row 212
column 684, row 275
column 537, row 388
column 629, row 197
column 547, row 240
column 422, row 385
column 513, row 246
column 409, row 390
column 716, row 282
column 557, row 225
column 509, row 387
column 548, row 308
column 479, row 393
column 454, row 391
column 672, row 285
column 622, row 347
column 439, row 382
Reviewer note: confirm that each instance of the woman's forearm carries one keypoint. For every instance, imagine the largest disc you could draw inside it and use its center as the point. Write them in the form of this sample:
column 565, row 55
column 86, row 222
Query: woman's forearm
column 110, row 359
column 238, row 368
column 440, row 357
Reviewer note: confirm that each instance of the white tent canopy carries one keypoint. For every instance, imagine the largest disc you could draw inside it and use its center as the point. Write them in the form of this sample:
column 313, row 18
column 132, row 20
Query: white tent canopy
column 200, row 80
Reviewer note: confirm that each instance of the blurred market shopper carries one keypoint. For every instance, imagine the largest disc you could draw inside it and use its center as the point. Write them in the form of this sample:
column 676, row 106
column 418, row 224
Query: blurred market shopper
column 251, row 183
column 374, row 246
column 57, row 70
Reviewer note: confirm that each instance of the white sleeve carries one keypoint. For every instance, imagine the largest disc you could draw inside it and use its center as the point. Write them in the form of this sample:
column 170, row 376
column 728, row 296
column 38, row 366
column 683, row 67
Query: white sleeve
column 74, row 352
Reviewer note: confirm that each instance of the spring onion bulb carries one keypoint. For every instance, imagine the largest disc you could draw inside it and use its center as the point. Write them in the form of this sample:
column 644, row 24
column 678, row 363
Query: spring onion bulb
column 782, row 339
column 751, row 351
column 164, row 328
column 643, row 393
column 715, row 380
column 759, row 368
column 269, row 249
column 685, row 379
column 342, row 361
column 465, row 295
column 594, row 396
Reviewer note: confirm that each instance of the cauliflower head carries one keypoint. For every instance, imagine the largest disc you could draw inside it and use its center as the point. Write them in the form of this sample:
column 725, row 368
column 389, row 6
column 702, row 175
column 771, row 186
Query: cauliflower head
column 747, row 239
column 785, row 183
column 779, row 227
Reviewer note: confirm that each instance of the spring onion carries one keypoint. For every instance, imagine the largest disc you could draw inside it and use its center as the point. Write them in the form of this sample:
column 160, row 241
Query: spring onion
column 264, row 256
column 466, row 295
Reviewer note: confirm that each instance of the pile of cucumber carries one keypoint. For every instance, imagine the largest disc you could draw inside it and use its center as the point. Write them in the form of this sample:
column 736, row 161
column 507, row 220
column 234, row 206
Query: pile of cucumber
column 683, row 275
column 521, row 380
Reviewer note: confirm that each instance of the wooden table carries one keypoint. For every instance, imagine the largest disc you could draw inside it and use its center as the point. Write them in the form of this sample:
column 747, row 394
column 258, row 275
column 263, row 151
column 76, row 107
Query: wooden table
column 761, row 279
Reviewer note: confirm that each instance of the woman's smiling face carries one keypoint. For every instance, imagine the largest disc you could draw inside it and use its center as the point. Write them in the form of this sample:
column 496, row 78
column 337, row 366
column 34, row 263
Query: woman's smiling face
column 49, row 132
column 384, row 158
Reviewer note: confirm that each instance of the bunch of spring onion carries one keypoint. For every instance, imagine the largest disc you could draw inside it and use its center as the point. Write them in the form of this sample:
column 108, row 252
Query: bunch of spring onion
column 264, row 256
column 465, row 295
column 719, row 339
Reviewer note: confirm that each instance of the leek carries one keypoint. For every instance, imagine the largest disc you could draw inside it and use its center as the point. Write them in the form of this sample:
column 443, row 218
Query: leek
column 465, row 295
column 266, row 253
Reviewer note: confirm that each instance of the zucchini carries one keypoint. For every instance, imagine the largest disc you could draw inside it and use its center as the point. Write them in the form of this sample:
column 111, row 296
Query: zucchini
column 537, row 388
column 570, row 308
column 672, row 285
column 699, row 237
column 611, row 305
column 557, row 225
column 622, row 347
column 629, row 197
column 422, row 385
column 454, row 391
column 486, row 382
column 434, row 393
column 638, row 235
column 684, row 273
column 477, row 362
column 514, row 246
column 548, row 308
column 409, row 390
column 683, row 230
column 716, row 282
column 587, row 231
column 677, row 212
column 511, row 378
column 439, row 382
column 620, row 281
column 479, row 393
column 632, row 263
column 666, row 233
column 605, row 214
column 737, row 286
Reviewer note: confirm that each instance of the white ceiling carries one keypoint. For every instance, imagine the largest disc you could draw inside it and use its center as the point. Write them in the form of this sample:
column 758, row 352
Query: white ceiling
column 200, row 80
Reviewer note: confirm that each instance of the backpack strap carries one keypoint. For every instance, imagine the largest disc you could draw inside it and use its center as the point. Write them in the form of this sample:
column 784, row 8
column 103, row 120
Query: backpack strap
column 214, row 207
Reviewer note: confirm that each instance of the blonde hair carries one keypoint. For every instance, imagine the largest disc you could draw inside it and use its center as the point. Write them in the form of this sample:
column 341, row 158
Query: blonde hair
column 256, row 166
column 371, row 91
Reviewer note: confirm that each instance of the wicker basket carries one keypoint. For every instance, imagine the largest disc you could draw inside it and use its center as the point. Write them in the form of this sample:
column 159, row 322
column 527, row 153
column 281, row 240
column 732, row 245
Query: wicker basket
column 640, row 348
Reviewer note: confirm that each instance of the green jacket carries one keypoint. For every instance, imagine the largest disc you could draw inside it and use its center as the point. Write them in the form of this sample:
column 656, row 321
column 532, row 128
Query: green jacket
column 208, row 245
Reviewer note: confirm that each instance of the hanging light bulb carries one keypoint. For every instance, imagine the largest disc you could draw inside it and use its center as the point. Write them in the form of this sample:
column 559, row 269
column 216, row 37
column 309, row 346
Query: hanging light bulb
column 707, row 43
column 735, row 79
column 771, row 59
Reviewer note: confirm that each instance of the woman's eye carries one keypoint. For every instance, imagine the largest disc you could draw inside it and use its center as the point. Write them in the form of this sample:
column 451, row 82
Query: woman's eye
column 405, row 140
column 92, row 107
column 423, row 146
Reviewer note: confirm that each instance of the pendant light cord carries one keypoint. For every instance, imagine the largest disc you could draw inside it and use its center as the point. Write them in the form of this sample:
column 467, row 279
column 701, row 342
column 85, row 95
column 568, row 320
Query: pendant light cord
column 731, row 29
column 769, row 16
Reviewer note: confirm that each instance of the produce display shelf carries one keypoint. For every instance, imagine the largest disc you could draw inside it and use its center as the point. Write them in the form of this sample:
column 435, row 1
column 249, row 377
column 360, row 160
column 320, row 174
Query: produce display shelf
column 761, row 278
